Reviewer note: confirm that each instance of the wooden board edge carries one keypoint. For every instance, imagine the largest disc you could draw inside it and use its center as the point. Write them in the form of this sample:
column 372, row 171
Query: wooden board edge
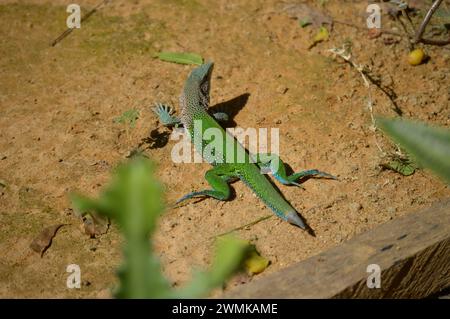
column 412, row 252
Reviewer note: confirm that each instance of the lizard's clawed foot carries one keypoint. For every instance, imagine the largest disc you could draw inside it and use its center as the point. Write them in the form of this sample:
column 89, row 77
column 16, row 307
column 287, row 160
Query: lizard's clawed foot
column 165, row 114
column 302, row 176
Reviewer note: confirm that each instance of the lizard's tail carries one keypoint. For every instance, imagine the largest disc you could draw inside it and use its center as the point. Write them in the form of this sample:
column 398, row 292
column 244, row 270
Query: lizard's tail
column 267, row 193
column 293, row 218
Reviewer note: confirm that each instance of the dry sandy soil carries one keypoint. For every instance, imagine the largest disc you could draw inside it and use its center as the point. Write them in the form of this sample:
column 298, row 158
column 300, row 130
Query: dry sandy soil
column 58, row 135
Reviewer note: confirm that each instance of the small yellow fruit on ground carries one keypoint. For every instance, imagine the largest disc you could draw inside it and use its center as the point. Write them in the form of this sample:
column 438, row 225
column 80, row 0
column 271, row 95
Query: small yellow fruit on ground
column 255, row 263
column 416, row 57
column 322, row 35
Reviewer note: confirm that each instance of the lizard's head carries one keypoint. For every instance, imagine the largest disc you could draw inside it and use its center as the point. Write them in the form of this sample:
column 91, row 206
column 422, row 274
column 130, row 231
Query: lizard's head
column 202, row 73
column 195, row 96
column 199, row 80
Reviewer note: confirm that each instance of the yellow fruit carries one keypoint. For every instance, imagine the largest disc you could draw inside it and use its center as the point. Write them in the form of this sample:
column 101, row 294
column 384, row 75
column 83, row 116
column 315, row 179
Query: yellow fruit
column 322, row 35
column 416, row 57
column 255, row 263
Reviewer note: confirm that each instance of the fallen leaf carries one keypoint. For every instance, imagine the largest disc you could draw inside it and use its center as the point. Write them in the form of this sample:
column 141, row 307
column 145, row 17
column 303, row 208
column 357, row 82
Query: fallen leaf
column 95, row 225
column 181, row 57
column 402, row 166
column 304, row 23
column 43, row 241
column 304, row 12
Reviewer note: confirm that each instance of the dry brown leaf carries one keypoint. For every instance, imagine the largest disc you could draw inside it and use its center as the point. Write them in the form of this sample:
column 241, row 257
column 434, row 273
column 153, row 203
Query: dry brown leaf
column 304, row 12
column 95, row 225
column 43, row 241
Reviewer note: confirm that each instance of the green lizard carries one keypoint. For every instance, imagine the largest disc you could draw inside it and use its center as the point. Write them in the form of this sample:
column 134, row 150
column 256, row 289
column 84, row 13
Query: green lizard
column 194, row 102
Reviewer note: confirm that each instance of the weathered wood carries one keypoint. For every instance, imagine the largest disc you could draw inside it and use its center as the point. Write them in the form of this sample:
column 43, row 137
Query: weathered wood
column 412, row 251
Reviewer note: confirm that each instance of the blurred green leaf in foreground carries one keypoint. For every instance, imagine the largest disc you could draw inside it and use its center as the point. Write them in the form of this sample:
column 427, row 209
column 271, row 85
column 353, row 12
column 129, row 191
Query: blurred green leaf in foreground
column 134, row 199
column 430, row 146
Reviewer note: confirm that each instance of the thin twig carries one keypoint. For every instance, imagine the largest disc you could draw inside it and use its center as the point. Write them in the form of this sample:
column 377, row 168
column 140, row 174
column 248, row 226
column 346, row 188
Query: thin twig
column 244, row 226
column 84, row 18
column 435, row 42
column 427, row 19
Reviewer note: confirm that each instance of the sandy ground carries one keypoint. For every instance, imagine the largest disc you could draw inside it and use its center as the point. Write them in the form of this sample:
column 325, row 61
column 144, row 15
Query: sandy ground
column 57, row 130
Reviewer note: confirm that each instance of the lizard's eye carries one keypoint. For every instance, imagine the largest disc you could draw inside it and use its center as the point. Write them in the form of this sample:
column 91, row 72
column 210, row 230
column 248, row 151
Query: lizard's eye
column 204, row 87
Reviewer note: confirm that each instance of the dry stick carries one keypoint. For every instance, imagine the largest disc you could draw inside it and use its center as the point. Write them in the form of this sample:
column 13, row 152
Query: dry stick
column 418, row 38
column 435, row 42
column 84, row 18
column 426, row 20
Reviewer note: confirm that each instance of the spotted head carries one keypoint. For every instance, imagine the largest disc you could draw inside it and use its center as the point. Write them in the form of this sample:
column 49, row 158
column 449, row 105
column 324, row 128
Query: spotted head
column 195, row 95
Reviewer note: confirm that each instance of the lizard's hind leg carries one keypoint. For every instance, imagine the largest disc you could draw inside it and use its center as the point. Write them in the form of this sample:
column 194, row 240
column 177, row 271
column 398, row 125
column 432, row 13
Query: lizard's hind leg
column 277, row 168
column 218, row 179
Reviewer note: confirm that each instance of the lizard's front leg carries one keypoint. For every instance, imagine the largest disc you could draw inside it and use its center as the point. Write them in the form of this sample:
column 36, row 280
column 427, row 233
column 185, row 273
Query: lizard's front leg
column 218, row 178
column 165, row 115
column 277, row 168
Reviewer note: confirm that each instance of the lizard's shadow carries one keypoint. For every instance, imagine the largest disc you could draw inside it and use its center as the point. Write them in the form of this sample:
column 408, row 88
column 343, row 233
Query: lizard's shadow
column 156, row 139
column 231, row 108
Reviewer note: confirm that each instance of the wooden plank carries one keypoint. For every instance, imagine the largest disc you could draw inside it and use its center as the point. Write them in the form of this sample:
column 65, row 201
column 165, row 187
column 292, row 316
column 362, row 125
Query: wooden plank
column 412, row 251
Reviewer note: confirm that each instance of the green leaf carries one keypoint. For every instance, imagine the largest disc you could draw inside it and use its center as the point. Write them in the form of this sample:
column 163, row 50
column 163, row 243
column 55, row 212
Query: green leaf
column 402, row 166
column 430, row 146
column 305, row 22
column 181, row 57
column 134, row 200
column 230, row 253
